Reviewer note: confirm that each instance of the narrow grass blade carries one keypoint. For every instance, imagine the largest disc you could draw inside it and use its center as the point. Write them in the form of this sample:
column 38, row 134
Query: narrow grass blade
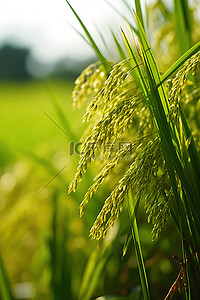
column 53, row 246
column 95, row 266
column 192, row 150
column 139, row 74
column 103, row 40
column 127, row 4
column 65, row 282
column 95, row 277
column 93, row 271
column 183, row 28
column 123, row 17
column 179, row 62
column 59, row 258
column 119, row 48
column 138, row 249
column 87, row 274
column 139, row 12
column 129, row 236
column 5, row 287
column 151, row 63
column 60, row 113
column 104, row 61
column 127, row 243
column 79, row 33
column 192, row 147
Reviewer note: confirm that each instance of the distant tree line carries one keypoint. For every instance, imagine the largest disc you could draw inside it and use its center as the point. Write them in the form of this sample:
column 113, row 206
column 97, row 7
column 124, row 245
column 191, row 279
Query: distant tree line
column 13, row 65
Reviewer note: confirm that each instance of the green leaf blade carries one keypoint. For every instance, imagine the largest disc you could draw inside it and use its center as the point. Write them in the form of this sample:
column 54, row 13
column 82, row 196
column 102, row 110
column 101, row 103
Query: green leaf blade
column 138, row 249
column 91, row 40
column 193, row 50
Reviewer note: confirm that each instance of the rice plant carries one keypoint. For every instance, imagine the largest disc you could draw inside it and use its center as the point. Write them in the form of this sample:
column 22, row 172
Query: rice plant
column 144, row 130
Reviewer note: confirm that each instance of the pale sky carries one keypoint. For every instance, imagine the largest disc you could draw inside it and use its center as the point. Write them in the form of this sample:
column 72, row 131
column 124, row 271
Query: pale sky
column 42, row 25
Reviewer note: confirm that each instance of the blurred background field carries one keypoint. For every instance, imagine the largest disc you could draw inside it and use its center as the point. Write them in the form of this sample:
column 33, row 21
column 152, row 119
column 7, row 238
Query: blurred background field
column 33, row 151
column 36, row 215
column 45, row 248
column 44, row 245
